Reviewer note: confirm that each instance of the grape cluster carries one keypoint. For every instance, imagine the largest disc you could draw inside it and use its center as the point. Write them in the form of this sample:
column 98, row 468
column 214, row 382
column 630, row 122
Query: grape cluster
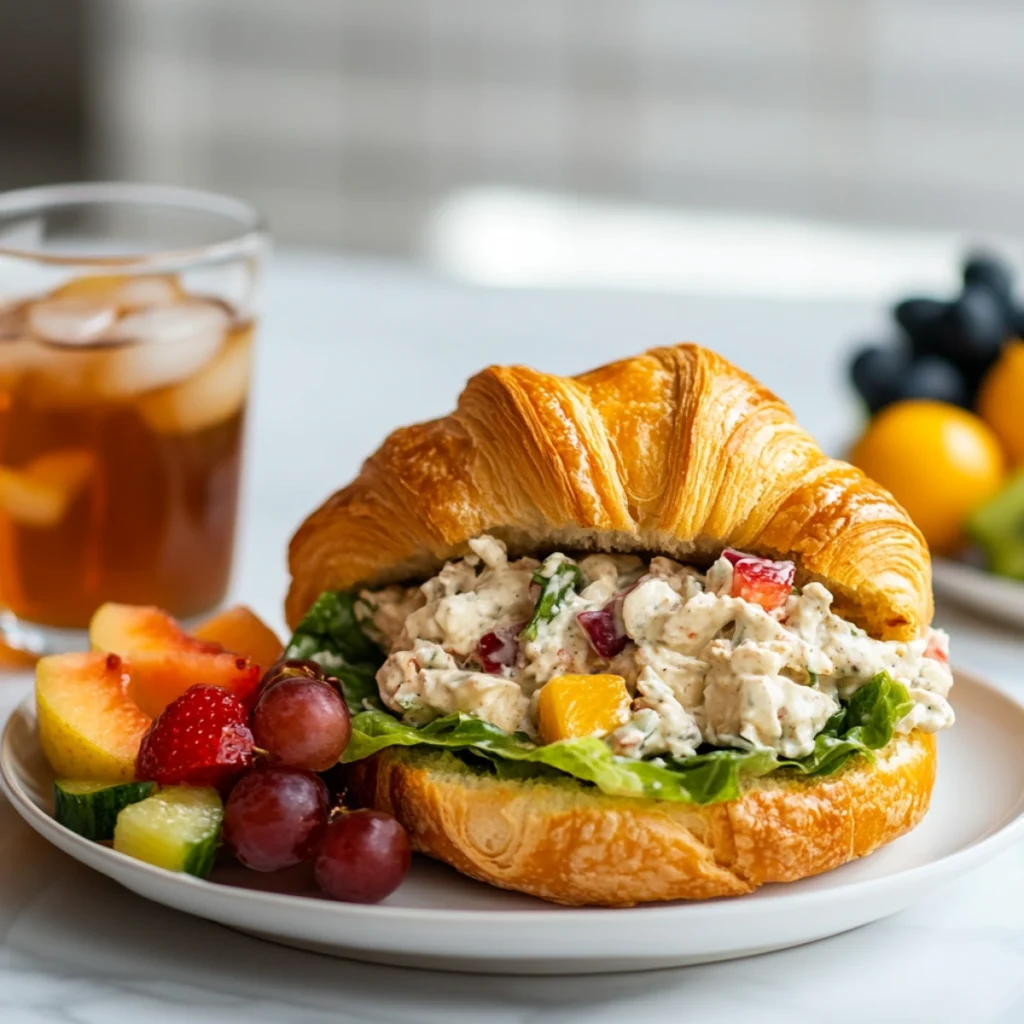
column 279, row 813
column 944, row 348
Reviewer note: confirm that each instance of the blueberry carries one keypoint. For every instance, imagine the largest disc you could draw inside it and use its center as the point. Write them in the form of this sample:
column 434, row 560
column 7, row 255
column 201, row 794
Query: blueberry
column 936, row 378
column 971, row 330
column 1017, row 323
column 877, row 374
column 990, row 272
column 920, row 319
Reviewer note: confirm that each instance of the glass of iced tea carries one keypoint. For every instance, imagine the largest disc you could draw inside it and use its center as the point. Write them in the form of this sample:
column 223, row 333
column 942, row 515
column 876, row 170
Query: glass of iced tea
column 126, row 335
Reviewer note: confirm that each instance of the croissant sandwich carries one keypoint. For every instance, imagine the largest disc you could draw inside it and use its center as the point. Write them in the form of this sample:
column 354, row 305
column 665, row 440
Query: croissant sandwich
column 627, row 636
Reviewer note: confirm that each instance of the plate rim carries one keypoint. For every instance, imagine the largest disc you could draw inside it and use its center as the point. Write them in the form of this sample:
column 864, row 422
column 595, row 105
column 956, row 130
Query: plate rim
column 953, row 863
column 956, row 582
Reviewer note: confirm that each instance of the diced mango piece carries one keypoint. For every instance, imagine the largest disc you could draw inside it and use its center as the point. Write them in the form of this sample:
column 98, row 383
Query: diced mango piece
column 573, row 706
column 242, row 631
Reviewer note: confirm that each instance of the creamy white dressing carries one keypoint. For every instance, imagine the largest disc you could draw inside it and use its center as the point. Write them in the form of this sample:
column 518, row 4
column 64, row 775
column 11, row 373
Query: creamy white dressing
column 701, row 664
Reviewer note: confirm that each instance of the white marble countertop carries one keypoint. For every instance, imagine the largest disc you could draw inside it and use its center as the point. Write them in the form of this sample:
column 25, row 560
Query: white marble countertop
column 350, row 350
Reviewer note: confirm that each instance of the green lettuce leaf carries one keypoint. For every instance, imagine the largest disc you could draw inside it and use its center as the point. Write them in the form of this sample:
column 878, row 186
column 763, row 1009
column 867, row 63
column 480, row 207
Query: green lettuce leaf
column 865, row 723
column 331, row 635
column 701, row 779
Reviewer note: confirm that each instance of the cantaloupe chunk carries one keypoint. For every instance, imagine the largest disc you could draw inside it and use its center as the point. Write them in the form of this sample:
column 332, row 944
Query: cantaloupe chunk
column 572, row 706
column 89, row 725
column 241, row 630
column 165, row 660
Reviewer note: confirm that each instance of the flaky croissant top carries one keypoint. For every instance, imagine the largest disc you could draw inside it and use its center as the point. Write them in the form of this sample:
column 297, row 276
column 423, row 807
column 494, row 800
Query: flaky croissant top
column 674, row 452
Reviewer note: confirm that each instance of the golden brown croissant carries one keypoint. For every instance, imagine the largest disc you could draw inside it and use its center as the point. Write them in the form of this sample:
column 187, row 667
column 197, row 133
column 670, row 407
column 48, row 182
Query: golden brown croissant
column 675, row 452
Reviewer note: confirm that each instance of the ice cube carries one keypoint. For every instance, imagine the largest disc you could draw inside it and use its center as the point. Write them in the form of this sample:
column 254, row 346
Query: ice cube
column 126, row 292
column 71, row 321
column 209, row 398
column 160, row 346
column 40, row 494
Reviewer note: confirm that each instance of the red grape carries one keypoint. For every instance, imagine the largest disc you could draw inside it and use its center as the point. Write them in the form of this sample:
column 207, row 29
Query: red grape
column 363, row 857
column 605, row 632
column 289, row 667
column 302, row 723
column 275, row 817
column 499, row 649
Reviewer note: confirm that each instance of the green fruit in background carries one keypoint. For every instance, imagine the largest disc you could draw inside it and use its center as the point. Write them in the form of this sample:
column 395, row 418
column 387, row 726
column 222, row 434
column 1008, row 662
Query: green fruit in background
column 998, row 528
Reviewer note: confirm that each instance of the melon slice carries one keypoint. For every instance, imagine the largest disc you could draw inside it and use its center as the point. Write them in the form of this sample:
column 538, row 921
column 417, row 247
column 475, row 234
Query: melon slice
column 241, row 630
column 89, row 725
column 165, row 660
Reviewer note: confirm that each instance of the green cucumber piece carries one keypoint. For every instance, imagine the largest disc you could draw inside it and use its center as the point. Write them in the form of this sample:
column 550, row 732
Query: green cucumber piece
column 177, row 828
column 91, row 808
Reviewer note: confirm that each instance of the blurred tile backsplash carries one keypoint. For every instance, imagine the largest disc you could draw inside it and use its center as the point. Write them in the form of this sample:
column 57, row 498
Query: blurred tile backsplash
column 349, row 120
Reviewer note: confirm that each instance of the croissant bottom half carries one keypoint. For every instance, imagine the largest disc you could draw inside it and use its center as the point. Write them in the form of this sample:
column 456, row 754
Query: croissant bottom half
column 572, row 844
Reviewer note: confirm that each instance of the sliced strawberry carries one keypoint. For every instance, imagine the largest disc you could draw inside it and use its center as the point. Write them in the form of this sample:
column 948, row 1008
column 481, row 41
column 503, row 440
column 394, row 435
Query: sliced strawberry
column 760, row 580
column 201, row 739
column 500, row 648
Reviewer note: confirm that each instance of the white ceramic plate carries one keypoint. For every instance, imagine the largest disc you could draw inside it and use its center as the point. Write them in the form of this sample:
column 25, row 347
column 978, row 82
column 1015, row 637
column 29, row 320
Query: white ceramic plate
column 440, row 919
column 982, row 592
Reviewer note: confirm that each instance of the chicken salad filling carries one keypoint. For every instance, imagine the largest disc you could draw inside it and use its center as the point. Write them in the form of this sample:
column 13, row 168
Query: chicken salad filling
column 735, row 657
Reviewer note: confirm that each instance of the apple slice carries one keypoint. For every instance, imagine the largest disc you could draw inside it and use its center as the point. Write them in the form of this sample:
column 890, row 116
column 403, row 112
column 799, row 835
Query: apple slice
column 165, row 660
column 39, row 494
column 242, row 631
column 89, row 725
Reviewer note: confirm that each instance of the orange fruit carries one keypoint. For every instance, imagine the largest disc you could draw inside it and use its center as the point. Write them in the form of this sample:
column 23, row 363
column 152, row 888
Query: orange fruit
column 939, row 462
column 1001, row 401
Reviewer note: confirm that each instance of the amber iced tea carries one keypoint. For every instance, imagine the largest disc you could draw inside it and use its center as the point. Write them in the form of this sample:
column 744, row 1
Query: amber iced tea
column 122, row 402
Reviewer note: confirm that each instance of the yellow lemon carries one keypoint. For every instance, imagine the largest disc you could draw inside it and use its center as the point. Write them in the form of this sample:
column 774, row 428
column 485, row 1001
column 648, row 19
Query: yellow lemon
column 940, row 463
column 1001, row 401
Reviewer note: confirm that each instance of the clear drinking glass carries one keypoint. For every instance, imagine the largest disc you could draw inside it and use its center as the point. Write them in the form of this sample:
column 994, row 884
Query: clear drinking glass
column 126, row 336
